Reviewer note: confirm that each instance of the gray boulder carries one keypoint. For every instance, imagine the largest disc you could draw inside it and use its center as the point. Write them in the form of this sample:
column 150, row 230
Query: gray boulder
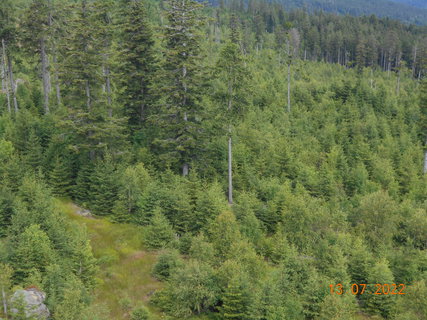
column 32, row 301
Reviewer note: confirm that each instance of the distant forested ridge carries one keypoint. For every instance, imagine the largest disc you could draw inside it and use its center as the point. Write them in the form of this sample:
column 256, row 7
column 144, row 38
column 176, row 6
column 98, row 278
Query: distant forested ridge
column 405, row 11
column 264, row 156
column 413, row 3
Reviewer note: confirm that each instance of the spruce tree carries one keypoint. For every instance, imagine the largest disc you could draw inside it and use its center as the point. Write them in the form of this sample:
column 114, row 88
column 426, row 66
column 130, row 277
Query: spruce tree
column 233, row 302
column 7, row 205
column 104, row 185
column 8, row 35
column 180, row 113
column 82, row 189
column 138, row 62
column 36, row 33
column 159, row 233
column 34, row 151
column 33, row 249
column 87, row 115
column 61, row 177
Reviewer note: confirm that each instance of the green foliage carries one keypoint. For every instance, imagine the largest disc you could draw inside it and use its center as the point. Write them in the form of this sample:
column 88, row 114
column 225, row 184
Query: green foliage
column 192, row 289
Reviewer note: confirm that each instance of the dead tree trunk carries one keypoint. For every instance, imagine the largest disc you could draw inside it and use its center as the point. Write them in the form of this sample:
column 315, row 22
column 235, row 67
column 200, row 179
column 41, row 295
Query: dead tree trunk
column 4, row 302
column 108, row 90
column 4, row 75
column 230, row 151
column 57, row 84
column 45, row 74
column 12, row 84
column 425, row 158
column 289, row 87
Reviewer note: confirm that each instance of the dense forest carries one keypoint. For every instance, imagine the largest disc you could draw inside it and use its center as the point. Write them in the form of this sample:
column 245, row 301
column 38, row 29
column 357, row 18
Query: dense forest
column 273, row 162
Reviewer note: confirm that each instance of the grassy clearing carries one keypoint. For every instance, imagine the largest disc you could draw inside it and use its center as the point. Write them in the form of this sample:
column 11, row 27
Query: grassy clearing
column 124, row 279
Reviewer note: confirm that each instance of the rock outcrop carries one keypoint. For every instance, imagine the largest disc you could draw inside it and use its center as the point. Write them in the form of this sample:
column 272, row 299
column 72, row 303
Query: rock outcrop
column 31, row 302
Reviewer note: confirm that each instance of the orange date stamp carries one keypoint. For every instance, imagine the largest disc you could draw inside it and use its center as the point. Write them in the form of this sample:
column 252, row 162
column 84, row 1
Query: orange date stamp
column 363, row 288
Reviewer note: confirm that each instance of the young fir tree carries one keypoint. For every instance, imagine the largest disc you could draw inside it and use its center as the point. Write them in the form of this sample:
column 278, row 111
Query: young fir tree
column 180, row 113
column 61, row 177
column 233, row 302
column 159, row 233
column 104, row 185
column 380, row 304
column 34, row 151
column 82, row 189
column 8, row 34
column 33, row 249
column 7, row 208
column 138, row 62
column 83, row 263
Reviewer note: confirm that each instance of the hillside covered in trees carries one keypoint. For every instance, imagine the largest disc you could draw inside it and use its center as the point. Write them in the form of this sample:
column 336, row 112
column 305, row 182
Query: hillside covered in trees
column 239, row 161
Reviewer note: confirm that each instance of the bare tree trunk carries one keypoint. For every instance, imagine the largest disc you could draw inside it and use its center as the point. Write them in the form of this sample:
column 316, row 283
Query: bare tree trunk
column 108, row 90
column 185, row 166
column 230, row 169
column 185, row 169
column 141, row 117
column 12, row 84
column 45, row 74
column 230, row 153
column 4, row 79
column 88, row 97
column 57, row 84
column 425, row 159
column 399, row 66
column 289, row 87
column 4, row 302
column 398, row 83
column 415, row 61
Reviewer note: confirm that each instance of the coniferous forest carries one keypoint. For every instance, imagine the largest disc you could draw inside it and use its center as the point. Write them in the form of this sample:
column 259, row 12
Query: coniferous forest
column 172, row 159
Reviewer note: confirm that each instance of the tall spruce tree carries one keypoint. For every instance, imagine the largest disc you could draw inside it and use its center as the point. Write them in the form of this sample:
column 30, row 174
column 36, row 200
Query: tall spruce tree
column 180, row 113
column 8, row 38
column 37, row 28
column 87, row 117
column 61, row 176
column 139, row 62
